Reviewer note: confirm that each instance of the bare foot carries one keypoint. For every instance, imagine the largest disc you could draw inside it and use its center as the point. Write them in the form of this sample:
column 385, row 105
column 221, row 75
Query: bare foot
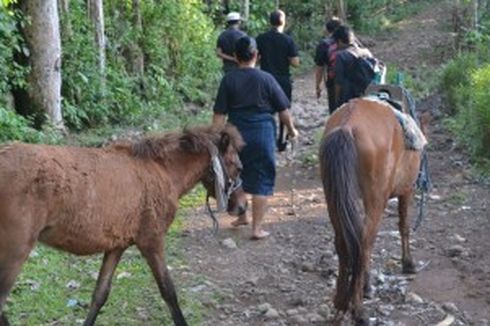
column 260, row 235
column 239, row 221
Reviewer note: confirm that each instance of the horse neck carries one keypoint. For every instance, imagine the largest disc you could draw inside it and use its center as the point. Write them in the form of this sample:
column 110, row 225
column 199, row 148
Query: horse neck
column 186, row 170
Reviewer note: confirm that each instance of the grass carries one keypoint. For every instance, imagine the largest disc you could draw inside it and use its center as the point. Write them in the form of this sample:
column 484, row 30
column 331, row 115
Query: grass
column 457, row 198
column 42, row 295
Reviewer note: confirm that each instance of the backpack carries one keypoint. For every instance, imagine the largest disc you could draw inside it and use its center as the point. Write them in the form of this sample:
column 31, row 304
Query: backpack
column 362, row 72
column 331, row 55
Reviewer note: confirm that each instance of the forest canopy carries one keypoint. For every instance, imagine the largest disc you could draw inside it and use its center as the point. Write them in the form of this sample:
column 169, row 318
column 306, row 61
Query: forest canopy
column 136, row 63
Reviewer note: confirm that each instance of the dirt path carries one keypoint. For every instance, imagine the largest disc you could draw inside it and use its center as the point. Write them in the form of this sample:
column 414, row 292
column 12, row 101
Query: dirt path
column 289, row 278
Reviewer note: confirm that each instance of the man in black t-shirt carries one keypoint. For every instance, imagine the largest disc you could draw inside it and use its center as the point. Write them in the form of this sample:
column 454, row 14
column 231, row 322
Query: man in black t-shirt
column 225, row 47
column 325, row 63
column 278, row 52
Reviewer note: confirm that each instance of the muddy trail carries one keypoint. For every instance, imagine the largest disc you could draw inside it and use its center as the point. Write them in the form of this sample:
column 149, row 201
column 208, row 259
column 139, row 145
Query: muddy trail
column 289, row 278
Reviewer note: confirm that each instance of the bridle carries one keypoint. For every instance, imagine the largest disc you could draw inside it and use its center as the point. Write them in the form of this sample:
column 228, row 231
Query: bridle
column 224, row 185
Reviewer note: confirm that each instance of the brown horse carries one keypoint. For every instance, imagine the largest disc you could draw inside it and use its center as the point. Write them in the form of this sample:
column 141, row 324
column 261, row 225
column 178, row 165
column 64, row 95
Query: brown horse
column 89, row 200
column 364, row 162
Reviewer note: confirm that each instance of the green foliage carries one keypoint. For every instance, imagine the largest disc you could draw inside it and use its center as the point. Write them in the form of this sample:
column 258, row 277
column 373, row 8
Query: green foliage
column 374, row 15
column 11, row 74
column 177, row 45
column 16, row 127
column 456, row 78
column 471, row 122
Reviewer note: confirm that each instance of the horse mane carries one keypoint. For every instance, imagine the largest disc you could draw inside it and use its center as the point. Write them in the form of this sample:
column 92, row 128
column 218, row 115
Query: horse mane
column 195, row 140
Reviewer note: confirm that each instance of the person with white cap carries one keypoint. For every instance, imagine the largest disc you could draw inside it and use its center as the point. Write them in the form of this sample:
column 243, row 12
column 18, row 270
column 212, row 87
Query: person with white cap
column 225, row 47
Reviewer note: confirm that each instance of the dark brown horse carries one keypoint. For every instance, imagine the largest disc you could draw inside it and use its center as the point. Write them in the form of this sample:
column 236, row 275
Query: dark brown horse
column 88, row 200
column 364, row 162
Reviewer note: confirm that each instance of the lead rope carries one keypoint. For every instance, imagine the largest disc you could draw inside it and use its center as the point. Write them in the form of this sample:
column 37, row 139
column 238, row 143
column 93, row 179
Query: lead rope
column 213, row 217
column 424, row 183
column 237, row 183
column 290, row 155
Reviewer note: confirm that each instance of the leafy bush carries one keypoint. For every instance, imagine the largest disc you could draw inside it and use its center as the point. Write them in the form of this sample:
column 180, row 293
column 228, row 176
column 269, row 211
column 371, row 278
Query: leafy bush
column 472, row 120
column 456, row 79
column 177, row 43
column 16, row 127
column 374, row 15
column 11, row 74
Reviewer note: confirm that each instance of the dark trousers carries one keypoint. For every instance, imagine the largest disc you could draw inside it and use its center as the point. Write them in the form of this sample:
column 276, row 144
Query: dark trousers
column 287, row 87
column 332, row 102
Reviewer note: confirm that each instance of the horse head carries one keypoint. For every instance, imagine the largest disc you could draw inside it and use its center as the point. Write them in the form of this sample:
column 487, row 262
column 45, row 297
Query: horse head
column 222, row 181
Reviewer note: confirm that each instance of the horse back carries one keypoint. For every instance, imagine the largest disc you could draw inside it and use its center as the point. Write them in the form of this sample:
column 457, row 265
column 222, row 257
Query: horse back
column 385, row 165
column 82, row 200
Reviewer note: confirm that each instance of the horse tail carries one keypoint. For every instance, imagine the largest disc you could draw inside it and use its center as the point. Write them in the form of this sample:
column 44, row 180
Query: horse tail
column 339, row 168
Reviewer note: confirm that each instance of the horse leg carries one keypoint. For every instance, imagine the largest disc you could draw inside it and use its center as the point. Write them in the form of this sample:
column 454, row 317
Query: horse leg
column 371, row 226
column 12, row 256
column 8, row 273
column 368, row 291
column 155, row 258
column 408, row 266
column 103, row 285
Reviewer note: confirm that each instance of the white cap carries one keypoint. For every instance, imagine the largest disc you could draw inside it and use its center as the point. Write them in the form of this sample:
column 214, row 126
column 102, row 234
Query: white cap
column 233, row 16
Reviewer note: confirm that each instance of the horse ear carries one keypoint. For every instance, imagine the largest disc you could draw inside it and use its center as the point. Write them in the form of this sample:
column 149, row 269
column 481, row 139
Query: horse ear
column 224, row 142
column 188, row 142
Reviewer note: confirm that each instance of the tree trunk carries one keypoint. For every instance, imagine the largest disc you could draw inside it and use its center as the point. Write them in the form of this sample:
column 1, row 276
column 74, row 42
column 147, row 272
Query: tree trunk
column 137, row 57
column 226, row 6
column 64, row 10
column 245, row 10
column 475, row 15
column 96, row 12
column 341, row 11
column 137, row 15
column 43, row 39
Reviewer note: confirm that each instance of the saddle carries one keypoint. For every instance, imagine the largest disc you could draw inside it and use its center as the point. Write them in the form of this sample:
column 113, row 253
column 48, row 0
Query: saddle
column 404, row 109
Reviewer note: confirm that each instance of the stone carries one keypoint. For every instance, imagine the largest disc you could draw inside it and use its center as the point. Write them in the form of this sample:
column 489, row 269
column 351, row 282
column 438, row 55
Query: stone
column 459, row 238
column 455, row 251
column 72, row 285
column 450, row 307
column 229, row 243
column 254, row 280
column 292, row 312
column 324, row 310
column 271, row 313
column 414, row 298
column 315, row 318
column 264, row 307
column 308, row 267
column 299, row 320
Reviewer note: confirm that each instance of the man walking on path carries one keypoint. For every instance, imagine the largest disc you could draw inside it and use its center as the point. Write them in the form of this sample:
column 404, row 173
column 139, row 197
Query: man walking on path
column 225, row 47
column 277, row 52
column 325, row 63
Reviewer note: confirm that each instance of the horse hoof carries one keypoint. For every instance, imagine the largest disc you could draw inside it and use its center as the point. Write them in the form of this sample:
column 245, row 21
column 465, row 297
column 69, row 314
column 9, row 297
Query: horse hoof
column 362, row 321
column 368, row 293
column 409, row 268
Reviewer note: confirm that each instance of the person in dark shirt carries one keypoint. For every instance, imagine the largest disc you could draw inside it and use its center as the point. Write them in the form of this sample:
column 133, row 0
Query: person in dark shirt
column 325, row 63
column 277, row 52
column 225, row 47
column 250, row 98
column 348, row 51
